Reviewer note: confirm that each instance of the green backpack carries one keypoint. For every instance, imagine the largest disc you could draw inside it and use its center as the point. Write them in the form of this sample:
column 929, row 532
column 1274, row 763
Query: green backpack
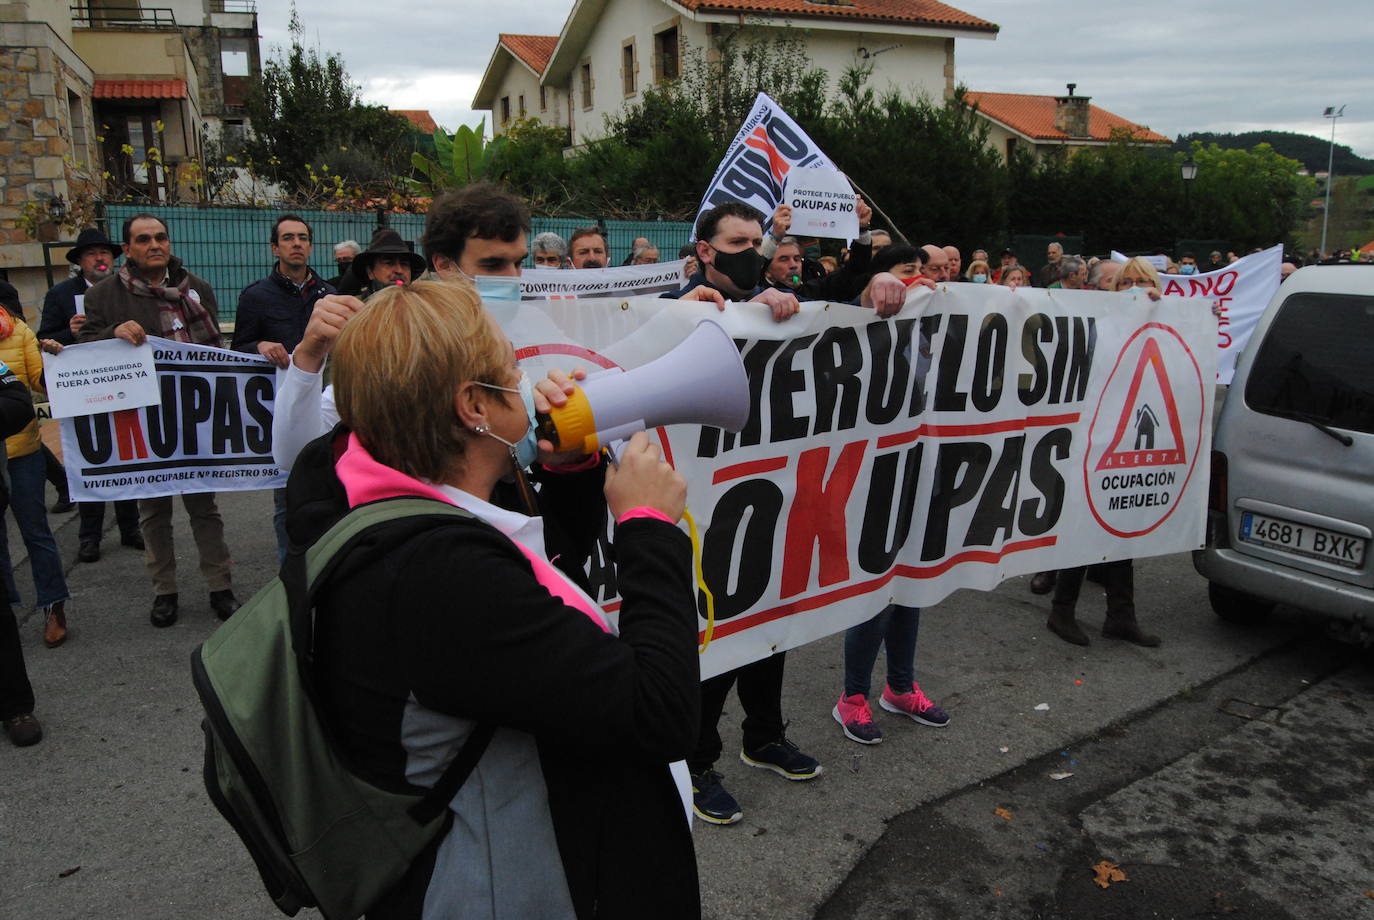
column 321, row 836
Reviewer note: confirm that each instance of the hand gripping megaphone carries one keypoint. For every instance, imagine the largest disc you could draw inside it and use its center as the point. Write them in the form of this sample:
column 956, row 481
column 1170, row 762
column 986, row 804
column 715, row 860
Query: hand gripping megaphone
column 700, row 382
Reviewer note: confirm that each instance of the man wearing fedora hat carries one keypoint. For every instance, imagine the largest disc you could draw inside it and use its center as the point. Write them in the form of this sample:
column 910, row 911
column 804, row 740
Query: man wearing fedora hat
column 387, row 260
column 63, row 316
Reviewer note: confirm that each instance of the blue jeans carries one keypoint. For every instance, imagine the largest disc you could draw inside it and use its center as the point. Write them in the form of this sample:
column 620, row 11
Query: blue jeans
column 26, row 504
column 896, row 627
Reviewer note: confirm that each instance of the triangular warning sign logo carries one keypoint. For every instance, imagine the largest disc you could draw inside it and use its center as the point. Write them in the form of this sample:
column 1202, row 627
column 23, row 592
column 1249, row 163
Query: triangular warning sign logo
column 1141, row 421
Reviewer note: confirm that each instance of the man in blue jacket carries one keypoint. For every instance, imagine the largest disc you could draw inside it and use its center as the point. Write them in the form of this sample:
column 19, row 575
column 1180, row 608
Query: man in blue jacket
column 272, row 314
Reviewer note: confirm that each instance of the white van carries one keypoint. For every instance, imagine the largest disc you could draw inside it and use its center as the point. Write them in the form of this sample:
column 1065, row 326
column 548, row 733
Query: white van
column 1292, row 496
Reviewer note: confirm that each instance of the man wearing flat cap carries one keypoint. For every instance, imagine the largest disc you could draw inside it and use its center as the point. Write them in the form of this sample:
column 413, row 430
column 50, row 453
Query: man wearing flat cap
column 63, row 316
column 387, row 260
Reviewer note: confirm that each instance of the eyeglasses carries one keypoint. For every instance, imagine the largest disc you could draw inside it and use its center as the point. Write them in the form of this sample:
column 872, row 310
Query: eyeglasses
column 1136, row 282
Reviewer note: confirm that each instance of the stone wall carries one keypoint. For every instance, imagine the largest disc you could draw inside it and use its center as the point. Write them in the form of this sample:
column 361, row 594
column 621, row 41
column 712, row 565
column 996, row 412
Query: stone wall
column 37, row 159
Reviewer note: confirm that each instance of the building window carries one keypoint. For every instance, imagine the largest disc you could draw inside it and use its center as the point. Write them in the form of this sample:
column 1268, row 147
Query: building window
column 586, row 71
column 76, row 114
column 505, row 109
column 233, row 57
column 666, row 55
column 627, row 66
column 543, row 99
column 522, row 105
column 1011, row 148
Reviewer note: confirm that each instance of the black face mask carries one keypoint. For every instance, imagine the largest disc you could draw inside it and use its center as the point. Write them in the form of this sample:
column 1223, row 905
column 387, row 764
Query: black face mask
column 743, row 268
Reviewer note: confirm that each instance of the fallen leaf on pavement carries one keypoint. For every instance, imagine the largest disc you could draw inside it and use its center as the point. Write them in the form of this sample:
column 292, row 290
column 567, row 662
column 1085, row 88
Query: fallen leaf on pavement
column 66, row 872
column 1104, row 873
column 1002, row 813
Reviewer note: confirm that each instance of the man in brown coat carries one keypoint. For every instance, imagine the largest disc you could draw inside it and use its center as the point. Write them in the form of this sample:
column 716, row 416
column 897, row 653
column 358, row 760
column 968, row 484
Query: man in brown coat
column 153, row 294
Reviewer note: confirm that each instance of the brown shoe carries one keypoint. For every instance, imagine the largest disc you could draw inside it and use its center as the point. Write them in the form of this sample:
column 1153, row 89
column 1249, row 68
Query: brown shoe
column 24, row 730
column 55, row 625
column 1043, row 582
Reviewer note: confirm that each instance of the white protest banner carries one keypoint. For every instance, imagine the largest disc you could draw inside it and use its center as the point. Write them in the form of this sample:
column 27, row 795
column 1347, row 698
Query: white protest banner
column 822, row 203
column 1239, row 292
column 80, row 304
column 211, row 432
column 981, row 433
column 616, row 281
column 767, row 147
column 100, row 377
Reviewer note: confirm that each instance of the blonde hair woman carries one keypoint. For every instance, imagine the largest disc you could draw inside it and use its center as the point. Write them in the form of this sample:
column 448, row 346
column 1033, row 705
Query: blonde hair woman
column 469, row 624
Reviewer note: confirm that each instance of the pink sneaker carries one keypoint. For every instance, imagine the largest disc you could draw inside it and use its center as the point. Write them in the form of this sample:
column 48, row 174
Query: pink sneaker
column 856, row 719
column 914, row 705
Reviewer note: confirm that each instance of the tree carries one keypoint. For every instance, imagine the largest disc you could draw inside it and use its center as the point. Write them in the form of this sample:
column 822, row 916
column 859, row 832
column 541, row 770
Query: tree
column 308, row 121
column 459, row 159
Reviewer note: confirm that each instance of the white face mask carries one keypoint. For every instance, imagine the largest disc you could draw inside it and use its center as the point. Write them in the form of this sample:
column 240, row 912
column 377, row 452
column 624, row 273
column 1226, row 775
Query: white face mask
column 526, row 450
column 504, row 288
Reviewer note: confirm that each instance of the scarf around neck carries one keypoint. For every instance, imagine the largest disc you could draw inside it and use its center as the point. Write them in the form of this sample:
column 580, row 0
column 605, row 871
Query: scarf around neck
column 183, row 317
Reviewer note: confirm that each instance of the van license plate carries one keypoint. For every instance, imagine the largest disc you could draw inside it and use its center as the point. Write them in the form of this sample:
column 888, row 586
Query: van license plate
column 1302, row 540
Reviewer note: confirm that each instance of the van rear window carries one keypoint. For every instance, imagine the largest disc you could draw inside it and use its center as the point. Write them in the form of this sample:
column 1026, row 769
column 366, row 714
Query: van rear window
column 1317, row 362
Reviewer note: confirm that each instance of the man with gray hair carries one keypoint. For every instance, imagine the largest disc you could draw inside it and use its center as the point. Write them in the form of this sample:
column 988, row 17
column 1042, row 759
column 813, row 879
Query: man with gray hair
column 344, row 254
column 1073, row 273
column 1102, row 275
column 1049, row 272
column 549, row 250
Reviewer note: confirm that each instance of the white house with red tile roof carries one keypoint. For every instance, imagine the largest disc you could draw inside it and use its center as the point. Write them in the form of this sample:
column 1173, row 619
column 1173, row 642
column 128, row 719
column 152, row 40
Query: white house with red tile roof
column 512, row 86
column 1038, row 124
column 609, row 50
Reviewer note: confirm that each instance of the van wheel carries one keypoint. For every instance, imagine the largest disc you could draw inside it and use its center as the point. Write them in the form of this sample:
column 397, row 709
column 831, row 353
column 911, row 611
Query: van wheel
column 1236, row 606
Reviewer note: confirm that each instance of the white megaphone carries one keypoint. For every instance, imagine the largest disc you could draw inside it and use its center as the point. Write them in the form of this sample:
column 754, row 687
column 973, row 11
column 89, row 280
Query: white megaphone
column 700, row 382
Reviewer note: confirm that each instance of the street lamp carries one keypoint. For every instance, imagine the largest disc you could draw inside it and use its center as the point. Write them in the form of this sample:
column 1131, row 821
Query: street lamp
column 1332, row 113
column 1188, row 169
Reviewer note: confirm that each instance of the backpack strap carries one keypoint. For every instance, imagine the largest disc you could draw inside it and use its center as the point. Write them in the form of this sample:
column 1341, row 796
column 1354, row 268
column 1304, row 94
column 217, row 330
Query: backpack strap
column 391, row 522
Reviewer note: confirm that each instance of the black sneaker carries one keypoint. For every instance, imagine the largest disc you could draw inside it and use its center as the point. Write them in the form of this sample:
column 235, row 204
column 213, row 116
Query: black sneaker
column 710, row 800
column 783, row 758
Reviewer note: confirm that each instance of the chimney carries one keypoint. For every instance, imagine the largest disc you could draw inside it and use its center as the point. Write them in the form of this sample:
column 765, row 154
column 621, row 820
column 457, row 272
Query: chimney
column 1071, row 113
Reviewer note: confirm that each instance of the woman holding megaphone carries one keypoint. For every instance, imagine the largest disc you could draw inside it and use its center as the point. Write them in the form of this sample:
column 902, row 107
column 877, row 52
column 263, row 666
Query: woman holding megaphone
column 573, row 809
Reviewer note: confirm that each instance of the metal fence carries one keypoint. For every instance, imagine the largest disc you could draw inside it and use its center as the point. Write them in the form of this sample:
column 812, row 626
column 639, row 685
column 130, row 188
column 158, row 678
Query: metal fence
column 229, row 248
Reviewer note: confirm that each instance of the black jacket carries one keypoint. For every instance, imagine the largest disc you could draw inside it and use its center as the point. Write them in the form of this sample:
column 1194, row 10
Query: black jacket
column 16, row 411
column 843, row 285
column 273, row 310
column 59, row 306
column 455, row 621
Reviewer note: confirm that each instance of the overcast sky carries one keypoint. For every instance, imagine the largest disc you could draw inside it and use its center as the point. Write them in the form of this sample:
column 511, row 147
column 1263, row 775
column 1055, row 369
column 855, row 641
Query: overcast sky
column 1174, row 66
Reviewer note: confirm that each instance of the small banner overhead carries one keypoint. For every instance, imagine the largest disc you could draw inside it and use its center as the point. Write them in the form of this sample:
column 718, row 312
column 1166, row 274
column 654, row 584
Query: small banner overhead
column 211, row 432
column 768, row 146
column 980, row 434
column 616, row 281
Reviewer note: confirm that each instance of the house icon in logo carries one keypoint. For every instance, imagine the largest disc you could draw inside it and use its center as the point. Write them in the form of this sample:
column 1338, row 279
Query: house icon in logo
column 1145, row 424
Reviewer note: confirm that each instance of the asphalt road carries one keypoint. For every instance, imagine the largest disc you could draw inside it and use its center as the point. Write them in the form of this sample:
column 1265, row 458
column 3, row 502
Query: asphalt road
column 1225, row 772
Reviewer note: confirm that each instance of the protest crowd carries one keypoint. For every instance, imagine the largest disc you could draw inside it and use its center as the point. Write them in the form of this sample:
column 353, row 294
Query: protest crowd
column 396, row 381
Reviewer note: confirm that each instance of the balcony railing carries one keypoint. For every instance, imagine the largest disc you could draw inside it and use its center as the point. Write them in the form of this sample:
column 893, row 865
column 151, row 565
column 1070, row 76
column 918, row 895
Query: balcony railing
column 123, row 17
column 233, row 6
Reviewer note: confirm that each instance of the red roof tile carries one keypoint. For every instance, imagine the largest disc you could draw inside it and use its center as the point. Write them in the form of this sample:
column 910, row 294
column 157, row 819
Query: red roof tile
column 1033, row 116
column 534, row 50
column 920, row 12
column 139, row 89
column 420, row 118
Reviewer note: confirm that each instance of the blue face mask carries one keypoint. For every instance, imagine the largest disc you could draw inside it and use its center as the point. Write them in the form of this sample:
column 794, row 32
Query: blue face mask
column 526, row 450
column 980, row 279
column 1187, row 269
column 497, row 287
